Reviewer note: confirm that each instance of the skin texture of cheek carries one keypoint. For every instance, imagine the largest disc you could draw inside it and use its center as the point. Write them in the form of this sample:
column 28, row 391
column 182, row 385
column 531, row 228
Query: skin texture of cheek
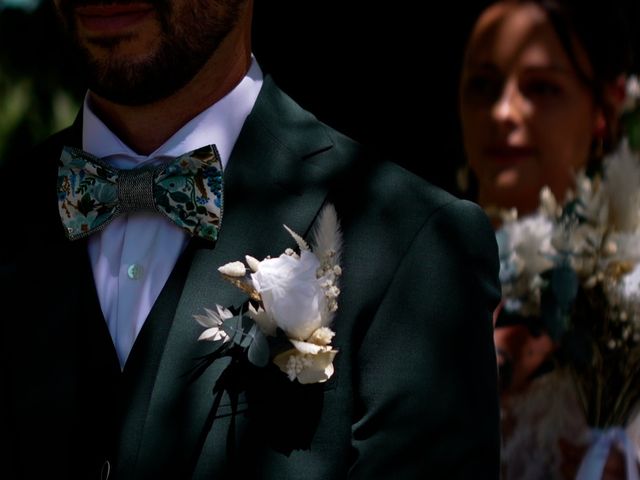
column 565, row 149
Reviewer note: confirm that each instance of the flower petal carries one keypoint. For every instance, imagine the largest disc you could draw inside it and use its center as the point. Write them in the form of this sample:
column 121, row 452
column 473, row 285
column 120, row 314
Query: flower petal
column 209, row 320
column 223, row 312
column 263, row 320
column 253, row 263
column 291, row 294
column 309, row 348
column 320, row 371
column 214, row 334
column 322, row 336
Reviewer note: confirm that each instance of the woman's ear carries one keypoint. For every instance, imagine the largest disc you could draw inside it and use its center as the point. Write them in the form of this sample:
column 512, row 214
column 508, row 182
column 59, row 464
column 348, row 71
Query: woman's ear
column 600, row 124
column 615, row 93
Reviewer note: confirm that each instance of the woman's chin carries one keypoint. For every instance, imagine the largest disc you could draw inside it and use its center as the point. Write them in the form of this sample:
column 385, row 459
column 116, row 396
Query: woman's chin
column 518, row 195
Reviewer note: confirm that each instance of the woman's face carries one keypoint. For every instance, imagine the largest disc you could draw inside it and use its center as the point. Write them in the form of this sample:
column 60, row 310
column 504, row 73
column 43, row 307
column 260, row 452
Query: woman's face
column 527, row 118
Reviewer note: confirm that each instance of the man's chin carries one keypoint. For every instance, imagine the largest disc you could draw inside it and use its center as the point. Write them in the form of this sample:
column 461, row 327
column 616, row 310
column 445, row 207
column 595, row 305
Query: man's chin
column 128, row 95
column 133, row 88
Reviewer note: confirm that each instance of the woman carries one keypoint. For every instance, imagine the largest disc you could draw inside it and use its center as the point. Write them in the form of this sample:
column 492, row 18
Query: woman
column 541, row 89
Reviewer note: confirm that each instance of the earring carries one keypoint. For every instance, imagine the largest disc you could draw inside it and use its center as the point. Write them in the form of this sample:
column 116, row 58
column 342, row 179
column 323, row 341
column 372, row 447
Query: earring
column 598, row 147
column 599, row 134
column 462, row 178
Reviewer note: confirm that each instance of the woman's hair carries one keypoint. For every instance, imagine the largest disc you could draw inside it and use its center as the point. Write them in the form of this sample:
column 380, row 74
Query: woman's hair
column 602, row 31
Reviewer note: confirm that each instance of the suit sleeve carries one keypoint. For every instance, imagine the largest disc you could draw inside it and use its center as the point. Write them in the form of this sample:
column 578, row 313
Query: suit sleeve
column 427, row 398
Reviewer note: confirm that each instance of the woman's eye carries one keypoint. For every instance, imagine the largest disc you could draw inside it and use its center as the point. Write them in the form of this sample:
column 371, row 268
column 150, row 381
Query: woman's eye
column 481, row 88
column 541, row 88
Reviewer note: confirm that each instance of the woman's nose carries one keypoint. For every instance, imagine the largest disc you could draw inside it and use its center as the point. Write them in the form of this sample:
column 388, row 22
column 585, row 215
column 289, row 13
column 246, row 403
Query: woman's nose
column 509, row 107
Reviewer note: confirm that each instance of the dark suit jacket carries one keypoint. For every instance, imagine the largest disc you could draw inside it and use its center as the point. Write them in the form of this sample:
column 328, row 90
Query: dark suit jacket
column 414, row 393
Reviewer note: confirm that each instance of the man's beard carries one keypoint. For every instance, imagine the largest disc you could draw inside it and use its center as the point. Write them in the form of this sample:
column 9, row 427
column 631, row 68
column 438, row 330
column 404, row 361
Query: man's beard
column 189, row 38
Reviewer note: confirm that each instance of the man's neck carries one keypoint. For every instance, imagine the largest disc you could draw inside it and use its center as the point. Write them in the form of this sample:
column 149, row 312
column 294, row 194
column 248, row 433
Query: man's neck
column 145, row 128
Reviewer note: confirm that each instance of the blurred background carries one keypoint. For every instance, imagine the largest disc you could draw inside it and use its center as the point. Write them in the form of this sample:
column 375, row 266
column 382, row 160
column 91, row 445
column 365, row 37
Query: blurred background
column 359, row 66
column 39, row 88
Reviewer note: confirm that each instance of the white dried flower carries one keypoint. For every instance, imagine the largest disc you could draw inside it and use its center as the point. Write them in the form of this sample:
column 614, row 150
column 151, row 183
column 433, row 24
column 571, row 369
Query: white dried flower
column 212, row 321
column 253, row 263
column 622, row 174
column 322, row 336
column 610, row 248
column 291, row 294
column 233, row 269
column 264, row 321
column 632, row 93
column 306, row 368
column 548, row 203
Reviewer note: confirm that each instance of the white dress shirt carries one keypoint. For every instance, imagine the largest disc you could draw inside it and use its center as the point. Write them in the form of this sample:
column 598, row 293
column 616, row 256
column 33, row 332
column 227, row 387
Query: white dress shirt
column 134, row 255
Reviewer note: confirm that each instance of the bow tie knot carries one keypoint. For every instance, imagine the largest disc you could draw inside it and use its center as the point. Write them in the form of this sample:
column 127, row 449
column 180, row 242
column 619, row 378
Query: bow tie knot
column 188, row 191
column 135, row 189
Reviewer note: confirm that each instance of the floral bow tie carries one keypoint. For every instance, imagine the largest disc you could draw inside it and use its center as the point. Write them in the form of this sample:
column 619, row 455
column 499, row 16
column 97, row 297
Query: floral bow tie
column 188, row 191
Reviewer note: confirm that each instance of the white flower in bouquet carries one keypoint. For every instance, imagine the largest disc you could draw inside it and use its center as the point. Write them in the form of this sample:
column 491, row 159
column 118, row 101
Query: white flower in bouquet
column 525, row 252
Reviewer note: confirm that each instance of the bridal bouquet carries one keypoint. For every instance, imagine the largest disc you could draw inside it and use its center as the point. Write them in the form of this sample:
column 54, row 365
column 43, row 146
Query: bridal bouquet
column 577, row 268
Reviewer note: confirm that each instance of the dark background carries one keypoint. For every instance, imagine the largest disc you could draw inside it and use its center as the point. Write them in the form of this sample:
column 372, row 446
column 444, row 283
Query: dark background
column 384, row 75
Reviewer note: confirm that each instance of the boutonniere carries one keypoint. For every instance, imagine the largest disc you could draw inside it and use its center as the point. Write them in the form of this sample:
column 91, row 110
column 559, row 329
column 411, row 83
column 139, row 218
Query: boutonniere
column 291, row 305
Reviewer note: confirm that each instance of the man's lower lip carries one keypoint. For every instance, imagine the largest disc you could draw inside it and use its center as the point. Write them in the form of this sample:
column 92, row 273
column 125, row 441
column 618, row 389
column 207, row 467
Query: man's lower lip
column 111, row 21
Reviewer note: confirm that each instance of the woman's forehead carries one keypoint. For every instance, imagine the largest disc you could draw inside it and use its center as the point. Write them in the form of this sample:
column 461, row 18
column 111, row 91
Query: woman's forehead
column 517, row 35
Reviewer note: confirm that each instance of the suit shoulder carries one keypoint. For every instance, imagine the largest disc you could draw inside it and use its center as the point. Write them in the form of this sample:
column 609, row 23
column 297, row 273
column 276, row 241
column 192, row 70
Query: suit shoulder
column 42, row 152
column 370, row 185
column 385, row 185
column 53, row 144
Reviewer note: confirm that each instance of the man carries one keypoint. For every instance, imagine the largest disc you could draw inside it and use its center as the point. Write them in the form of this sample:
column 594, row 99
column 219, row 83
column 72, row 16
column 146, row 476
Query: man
column 103, row 376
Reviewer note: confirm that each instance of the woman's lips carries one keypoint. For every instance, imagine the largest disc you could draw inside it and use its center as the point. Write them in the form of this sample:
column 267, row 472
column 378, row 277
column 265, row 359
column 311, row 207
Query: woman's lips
column 112, row 18
column 507, row 155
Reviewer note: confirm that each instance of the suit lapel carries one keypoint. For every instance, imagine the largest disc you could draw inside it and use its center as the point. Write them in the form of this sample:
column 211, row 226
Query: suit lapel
column 266, row 186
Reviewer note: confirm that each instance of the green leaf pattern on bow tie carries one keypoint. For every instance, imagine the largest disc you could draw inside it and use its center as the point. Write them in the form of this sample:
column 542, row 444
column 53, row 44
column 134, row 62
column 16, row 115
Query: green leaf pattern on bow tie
column 83, row 188
column 188, row 190
column 191, row 194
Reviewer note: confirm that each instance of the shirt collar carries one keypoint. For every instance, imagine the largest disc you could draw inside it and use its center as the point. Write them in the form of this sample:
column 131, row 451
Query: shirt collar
column 220, row 124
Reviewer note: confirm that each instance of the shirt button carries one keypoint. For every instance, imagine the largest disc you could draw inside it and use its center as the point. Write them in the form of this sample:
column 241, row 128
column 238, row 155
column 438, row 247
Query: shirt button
column 134, row 272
